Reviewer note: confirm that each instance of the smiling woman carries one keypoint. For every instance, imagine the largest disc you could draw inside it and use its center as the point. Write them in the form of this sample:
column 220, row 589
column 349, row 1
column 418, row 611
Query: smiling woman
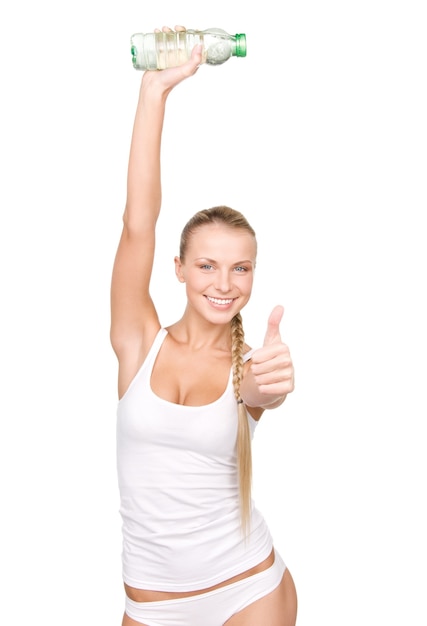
column 195, row 548
column 213, row 245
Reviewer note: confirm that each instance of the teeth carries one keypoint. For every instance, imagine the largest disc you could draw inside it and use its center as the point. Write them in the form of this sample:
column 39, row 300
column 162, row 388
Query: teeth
column 218, row 301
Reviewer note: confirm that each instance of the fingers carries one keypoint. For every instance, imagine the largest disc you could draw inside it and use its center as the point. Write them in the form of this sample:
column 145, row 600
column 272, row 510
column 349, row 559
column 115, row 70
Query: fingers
column 196, row 54
column 271, row 365
column 192, row 65
column 278, row 389
column 167, row 29
column 271, row 360
column 273, row 333
column 274, row 372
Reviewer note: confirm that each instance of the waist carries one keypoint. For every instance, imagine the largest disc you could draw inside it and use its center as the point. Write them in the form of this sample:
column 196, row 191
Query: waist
column 148, row 595
column 174, row 557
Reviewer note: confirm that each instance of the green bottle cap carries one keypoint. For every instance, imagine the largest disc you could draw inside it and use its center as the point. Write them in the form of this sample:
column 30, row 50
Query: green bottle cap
column 241, row 45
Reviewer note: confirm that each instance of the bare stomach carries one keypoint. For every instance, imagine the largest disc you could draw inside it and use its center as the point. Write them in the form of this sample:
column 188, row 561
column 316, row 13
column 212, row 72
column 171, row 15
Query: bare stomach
column 147, row 595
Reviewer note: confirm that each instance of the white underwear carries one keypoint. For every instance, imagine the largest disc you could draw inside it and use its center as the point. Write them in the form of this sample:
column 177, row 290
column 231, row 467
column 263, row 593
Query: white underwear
column 212, row 608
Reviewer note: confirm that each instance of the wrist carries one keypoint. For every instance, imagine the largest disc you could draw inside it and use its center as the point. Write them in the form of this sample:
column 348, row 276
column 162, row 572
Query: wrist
column 152, row 88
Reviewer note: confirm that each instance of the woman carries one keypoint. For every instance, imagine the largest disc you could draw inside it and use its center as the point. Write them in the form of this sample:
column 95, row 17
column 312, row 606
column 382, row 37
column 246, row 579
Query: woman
column 195, row 550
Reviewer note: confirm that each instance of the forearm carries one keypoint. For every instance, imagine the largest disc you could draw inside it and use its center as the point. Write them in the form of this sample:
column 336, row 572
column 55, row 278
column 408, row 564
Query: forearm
column 144, row 177
column 144, row 193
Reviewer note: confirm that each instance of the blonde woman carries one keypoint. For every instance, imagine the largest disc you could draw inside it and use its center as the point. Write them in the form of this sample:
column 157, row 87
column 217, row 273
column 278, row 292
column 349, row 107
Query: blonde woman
column 196, row 552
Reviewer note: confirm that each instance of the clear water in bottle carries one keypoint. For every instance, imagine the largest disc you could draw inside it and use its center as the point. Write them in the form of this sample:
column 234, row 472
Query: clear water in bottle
column 157, row 51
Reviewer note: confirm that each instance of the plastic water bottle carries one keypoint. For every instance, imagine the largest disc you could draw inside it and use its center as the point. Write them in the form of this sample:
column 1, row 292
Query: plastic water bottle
column 157, row 51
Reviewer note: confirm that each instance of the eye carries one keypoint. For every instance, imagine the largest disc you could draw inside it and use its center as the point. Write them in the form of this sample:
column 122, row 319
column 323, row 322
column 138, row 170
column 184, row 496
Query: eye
column 240, row 268
column 206, row 266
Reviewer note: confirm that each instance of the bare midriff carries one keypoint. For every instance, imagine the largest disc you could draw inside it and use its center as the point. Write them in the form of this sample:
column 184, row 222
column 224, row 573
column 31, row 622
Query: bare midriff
column 147, row 595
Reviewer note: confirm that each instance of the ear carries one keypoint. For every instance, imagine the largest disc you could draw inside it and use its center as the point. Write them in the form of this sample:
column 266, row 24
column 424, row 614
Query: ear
column 178, row 269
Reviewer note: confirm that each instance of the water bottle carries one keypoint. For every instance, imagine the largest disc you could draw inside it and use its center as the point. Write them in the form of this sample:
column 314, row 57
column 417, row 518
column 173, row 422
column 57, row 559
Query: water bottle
column 157, row 51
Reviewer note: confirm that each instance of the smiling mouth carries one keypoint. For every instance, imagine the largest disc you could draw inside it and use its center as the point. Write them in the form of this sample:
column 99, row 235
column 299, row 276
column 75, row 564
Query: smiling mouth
column 220, row 301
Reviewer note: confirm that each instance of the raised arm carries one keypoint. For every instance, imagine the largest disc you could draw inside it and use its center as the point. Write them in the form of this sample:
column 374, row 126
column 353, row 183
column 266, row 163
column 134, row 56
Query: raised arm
column 134, row 320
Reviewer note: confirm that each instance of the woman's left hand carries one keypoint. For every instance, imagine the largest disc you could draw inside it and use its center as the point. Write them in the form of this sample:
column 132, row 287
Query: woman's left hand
column 271, row 365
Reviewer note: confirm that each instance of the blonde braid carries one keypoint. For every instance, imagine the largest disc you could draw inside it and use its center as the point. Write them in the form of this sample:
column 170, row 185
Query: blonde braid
column 244, row 455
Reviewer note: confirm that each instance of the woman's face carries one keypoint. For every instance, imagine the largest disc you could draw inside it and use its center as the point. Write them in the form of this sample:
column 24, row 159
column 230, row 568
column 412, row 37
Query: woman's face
column 218, row 271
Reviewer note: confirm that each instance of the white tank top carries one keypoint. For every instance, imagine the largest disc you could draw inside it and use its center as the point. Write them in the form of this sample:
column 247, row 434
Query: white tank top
column 179, row 494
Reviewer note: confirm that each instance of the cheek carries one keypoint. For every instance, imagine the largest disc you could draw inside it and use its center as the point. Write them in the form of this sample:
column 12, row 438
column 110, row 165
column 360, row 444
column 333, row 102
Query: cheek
column 247, row 287
column 195, row 280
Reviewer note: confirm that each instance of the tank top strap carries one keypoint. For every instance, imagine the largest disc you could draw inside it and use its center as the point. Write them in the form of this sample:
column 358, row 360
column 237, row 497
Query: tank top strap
column 155, row 347
column 248, row 355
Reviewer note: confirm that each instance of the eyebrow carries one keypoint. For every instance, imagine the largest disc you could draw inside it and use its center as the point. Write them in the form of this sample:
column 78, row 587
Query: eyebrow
column 213, row 261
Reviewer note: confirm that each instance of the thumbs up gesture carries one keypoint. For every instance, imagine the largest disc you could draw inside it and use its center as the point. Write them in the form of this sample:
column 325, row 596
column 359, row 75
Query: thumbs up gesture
column 271, row 366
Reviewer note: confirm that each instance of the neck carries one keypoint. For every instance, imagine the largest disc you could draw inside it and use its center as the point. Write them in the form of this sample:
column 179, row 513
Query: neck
column 199, row 333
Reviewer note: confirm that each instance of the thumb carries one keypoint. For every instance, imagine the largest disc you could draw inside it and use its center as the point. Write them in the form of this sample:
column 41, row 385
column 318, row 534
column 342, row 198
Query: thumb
column 273, row 333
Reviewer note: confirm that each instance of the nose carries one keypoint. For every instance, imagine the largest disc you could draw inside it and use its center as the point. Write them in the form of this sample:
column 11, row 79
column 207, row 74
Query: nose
column 222, row 281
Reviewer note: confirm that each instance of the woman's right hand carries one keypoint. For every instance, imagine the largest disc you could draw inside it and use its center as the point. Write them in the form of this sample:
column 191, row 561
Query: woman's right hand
column 168, row 78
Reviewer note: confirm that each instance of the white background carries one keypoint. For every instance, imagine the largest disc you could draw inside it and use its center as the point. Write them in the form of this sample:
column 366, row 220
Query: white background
column 319, row 137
